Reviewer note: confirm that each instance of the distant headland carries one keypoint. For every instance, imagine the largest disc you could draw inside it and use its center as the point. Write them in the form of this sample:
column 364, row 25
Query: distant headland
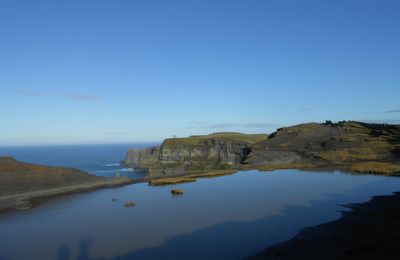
column 347, row 145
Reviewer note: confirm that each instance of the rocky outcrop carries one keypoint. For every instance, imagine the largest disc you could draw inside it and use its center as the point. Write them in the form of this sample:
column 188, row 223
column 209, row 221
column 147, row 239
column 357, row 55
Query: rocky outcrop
column 138, row 158
column 208, row 152
column 183, row 155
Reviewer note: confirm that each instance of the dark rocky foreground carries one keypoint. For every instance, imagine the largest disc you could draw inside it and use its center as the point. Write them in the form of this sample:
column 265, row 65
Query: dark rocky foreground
column 370, row 230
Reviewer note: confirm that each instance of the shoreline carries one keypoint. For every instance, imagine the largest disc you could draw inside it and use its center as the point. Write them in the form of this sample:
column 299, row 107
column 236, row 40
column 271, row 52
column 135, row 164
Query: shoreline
column 368, row 230
column 28, row 200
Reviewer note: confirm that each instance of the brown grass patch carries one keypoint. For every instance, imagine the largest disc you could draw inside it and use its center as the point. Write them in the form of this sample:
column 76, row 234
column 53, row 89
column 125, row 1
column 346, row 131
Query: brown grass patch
column 212, row 174
column 170, row 181
column 361, row 153
column 271, row 167
column 190, row 177
column 284, row 145
column 375, row 167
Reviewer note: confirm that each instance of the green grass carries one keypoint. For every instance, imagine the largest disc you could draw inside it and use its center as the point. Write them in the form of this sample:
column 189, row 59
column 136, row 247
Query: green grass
column 199, row 139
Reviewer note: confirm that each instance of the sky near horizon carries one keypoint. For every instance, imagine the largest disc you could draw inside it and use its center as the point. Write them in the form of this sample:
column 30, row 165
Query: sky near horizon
column 138, row 71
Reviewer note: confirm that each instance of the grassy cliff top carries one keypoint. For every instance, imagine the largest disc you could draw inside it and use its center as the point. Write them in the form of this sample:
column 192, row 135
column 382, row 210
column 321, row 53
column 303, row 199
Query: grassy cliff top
column 198, row 139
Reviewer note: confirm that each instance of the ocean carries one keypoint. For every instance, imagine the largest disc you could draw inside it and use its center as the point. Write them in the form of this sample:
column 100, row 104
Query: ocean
column 97, row 159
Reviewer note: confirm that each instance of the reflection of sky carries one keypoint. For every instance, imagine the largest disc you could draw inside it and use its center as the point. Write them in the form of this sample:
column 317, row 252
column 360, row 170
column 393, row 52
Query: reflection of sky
column 243, row 213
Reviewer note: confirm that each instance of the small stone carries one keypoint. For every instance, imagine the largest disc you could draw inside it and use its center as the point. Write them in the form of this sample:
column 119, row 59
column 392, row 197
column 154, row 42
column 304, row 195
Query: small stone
column 130, row 204
column 177, row 191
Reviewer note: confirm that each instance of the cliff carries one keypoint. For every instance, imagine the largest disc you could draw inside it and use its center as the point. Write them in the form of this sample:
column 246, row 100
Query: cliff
column 347, row 145
column 195, row 153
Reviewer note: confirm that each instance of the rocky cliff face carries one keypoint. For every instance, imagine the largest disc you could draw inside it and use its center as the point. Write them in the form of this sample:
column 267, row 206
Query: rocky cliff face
column 212, row 152
column 139, row 158
column 181, row 155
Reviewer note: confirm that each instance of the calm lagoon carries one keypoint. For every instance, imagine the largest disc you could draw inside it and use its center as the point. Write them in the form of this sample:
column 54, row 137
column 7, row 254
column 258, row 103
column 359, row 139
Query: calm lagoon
column 228, row 217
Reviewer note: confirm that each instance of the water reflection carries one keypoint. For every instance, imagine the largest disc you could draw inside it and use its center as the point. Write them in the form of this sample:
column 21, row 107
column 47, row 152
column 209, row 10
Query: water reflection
column 227, row 217
column 238, row 239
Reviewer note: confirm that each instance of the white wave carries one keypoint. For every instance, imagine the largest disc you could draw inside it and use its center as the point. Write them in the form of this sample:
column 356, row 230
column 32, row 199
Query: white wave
column 111, row 164
column 127, row 170
column 106, row 171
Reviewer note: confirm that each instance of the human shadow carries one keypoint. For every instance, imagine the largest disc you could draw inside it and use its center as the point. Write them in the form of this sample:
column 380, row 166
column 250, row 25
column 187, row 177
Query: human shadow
column 64, row 253
column 84, row 244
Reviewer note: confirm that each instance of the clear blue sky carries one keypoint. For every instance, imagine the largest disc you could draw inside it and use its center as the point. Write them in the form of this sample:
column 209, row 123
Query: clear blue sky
column 128, row 71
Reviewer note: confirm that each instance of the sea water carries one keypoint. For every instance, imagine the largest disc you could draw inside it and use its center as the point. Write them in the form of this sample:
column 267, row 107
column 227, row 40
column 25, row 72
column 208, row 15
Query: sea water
column 101, row 160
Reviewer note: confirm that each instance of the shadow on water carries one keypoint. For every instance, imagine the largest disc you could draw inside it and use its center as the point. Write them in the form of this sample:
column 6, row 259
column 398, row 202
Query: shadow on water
column 64, row 253
column 84, row 244
column 240, row 239
column 237, row 239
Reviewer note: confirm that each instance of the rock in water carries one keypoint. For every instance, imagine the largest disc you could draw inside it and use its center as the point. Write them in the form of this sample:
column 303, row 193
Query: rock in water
column 177, row 191
column 130, row 204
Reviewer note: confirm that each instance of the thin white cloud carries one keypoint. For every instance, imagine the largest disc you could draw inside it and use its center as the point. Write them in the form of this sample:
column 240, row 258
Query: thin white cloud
column 393, row 111
column 258, row 125
column 118, row 133
column 209, row 125
column 305, row 109
column 71, row 96
column 389, row 121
